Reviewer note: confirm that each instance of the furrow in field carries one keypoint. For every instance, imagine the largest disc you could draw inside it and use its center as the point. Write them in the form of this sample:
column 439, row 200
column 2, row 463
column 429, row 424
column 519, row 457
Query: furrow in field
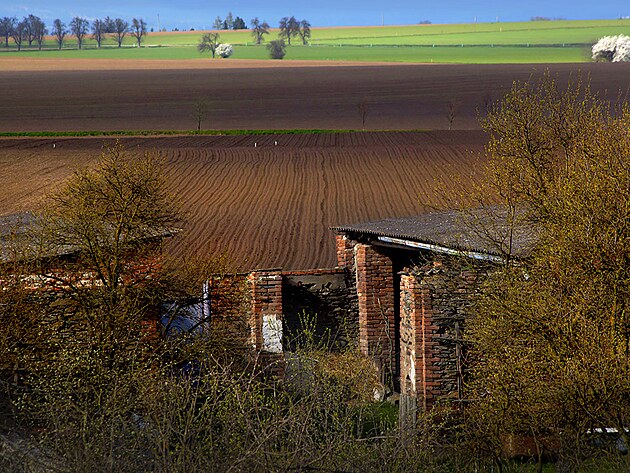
column 268, row 206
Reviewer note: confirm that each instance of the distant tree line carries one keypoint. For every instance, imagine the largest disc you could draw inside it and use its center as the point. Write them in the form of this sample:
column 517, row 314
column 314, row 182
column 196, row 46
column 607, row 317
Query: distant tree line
column 545, row 18
column 229, row 23
column 31, row 29
column 289, row 27
column 292, row 28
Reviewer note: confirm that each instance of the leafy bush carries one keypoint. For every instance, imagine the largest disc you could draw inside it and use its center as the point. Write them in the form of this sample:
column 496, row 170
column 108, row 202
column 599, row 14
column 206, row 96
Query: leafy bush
column 277, row 49
column 224, row 50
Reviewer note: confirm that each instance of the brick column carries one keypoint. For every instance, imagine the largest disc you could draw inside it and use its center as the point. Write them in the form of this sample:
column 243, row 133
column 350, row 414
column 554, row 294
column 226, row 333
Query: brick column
column 375, row 290
column 345, row 251
column 419, row 363
column 265, row 320
column 410, row 335
column 421, row 333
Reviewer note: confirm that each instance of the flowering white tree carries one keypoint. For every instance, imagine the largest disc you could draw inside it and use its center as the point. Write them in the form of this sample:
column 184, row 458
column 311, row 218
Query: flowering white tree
column 224, row 50
column 612, row 49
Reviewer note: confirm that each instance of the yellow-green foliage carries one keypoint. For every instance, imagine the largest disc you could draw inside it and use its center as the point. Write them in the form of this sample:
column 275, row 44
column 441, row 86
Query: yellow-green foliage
column 551, row 335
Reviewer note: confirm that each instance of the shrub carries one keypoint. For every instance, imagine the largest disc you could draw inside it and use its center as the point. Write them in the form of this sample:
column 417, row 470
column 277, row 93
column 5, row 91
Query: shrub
column 277, row 49
column 224, row 50
column 612, row 49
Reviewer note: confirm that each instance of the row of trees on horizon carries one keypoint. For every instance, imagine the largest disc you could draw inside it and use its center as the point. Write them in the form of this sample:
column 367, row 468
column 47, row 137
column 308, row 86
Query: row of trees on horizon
column 32, row 29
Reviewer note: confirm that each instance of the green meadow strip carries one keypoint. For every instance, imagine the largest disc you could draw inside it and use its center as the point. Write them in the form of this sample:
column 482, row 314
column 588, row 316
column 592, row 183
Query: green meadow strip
column 477, row 43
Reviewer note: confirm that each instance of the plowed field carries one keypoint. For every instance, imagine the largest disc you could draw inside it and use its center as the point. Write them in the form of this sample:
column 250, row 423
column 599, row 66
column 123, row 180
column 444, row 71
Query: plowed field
column 77, row 95
column 266, row 200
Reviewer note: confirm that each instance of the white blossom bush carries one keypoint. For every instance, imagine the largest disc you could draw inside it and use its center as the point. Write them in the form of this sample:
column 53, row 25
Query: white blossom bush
column 612, row 49
column 224, row 50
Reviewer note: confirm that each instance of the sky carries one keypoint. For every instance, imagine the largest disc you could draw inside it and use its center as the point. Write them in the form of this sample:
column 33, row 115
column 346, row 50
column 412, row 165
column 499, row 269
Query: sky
column 200, row 14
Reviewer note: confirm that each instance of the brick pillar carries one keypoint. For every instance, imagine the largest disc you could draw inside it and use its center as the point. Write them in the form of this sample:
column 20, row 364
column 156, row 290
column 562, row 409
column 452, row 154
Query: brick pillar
column 345, row 251
column 375, row 291
column 419, row 363
column 431, row 371
column 265, row 320
column 410, row 341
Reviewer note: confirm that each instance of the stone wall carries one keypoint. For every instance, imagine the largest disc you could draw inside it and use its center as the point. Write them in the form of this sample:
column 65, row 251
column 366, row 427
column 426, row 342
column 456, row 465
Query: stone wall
column 325, row 303
column 283, row 304
column 436, row 300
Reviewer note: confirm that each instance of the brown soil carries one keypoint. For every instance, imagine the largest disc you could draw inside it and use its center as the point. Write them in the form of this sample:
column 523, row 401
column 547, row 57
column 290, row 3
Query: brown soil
column 21, row 64
column 160, row 95
column 268, row 205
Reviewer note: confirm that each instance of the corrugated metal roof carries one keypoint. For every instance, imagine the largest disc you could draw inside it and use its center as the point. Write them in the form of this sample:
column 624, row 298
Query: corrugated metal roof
column 478, row 231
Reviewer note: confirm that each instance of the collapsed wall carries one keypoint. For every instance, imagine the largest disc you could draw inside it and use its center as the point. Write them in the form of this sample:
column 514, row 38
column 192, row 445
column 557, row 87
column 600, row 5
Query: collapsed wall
column 285, row 304
column 405, row 309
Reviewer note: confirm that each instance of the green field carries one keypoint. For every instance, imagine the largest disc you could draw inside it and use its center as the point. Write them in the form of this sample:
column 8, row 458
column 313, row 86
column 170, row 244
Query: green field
column 442, row 54
column 522, row 42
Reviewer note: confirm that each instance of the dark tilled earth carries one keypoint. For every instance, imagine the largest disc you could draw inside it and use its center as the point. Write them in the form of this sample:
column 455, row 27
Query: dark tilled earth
column 286, row 96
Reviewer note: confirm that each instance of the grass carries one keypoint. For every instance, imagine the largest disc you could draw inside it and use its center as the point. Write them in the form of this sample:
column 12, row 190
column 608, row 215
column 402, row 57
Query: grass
column 481, row 43
column 418, row 54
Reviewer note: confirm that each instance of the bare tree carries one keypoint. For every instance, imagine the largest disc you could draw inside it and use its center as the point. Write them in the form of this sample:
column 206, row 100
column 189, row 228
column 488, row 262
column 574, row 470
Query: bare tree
column 218, row 23
column 363, row 108
column 59, row 31
column 79, row 28
column 30, row 22
column 109, row 25
column 289, row 28
column 451, row 113
column 98, row 31
column 7, row 24
column 487, row 102
column 109, row 212
column 200, row 111
column 209, row 42
column 138, row 29
column 38, row 30
column 259, row 29
column 121, row 28
column 305, row 31
column 19, row 33
column 228, row 22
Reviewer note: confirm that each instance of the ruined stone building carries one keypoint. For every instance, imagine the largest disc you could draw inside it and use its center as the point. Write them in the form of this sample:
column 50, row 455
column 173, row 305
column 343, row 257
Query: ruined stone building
column 402, row 289
column 401, row 292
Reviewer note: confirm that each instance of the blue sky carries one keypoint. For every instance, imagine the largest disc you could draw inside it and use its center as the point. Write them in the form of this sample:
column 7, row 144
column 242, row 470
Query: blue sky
column 200, row 14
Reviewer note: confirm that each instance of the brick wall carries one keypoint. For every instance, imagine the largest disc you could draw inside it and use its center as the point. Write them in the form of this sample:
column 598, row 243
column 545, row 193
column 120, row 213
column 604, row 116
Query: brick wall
column 266, row 309
column 375, row 292
column 345, row 251
column 411, row 338
column 230, row 304
column 436, row 299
